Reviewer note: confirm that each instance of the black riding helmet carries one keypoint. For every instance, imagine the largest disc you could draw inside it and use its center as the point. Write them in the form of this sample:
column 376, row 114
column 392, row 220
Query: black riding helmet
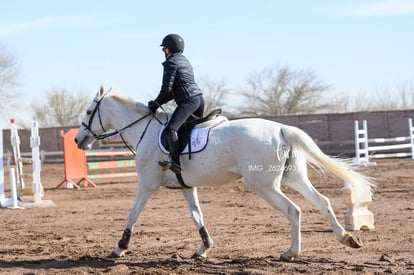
column 173, row 42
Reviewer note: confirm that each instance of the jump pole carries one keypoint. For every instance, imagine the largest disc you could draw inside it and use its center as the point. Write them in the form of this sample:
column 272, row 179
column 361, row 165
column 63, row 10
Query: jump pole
column 11, row 202
column 361, row 137
column 77, row 166
column 2, row 195
column 14, row 204
column 37, row 187
column 15, row 142
column 410, row 126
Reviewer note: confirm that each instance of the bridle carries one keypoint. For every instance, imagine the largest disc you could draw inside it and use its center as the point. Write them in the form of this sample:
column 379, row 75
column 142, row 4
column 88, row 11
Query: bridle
column 106, row 134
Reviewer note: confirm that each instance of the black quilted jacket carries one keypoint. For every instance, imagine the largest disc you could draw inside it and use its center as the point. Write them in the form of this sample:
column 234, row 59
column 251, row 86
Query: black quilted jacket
column 178, row 80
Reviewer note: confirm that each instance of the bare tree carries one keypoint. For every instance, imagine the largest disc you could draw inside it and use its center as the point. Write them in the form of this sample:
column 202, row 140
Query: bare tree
column 61, row 109
column 406, row 94
column 215, row 94
column 283, row 91
column 399, row 98
column 8, row 81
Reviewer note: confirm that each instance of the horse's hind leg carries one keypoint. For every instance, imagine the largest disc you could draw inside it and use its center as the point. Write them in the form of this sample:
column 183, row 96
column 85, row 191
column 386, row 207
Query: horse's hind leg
column 297, row 179
column 267, row 186
column 191, row 198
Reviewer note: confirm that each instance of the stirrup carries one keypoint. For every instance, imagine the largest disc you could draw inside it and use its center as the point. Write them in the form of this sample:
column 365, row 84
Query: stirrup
column 170, row 165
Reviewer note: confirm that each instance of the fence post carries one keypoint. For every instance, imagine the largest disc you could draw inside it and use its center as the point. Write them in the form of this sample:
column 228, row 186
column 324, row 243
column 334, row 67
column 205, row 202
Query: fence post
column 15, row 142
column 356, row 137
column 366, row 150
column 37, row 187
column 361, row 136
column 2, row 195
column 410, row 126
column 13, row 191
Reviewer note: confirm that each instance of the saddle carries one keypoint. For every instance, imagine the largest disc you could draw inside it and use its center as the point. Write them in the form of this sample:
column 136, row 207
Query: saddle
column 184, row 133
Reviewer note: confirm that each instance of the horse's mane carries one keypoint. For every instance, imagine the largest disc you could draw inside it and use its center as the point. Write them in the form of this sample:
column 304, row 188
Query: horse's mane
column 130, row 103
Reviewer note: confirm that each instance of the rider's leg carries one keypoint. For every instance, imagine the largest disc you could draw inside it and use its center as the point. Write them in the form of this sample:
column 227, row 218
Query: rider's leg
column 174, row 147
column 180, row 115
column 199, row 112
column 184, row 110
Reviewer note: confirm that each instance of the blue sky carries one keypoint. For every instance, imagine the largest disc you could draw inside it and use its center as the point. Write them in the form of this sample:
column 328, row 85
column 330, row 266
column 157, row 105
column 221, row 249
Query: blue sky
column 354, row 46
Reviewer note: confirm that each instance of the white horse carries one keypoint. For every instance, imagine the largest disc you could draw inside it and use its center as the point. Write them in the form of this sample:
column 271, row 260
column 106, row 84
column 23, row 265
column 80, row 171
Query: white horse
column 261, row 151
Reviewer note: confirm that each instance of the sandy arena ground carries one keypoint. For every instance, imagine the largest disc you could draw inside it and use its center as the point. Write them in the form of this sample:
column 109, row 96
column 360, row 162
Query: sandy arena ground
column 76, row 236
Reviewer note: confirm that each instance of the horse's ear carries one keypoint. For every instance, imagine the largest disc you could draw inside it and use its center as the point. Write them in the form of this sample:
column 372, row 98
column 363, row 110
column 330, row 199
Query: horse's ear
column 100, row 92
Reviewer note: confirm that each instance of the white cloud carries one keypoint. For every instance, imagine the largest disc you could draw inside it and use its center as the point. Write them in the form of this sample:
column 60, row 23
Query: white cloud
column 381, row 8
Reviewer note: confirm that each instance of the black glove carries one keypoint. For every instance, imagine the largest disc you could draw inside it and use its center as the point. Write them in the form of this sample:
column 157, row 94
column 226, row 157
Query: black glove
column 153, row 106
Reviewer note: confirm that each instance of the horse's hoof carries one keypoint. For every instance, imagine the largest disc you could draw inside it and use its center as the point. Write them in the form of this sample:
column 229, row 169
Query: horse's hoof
column 350, row 241
column 113, row 255
column 117, row 253
column 288, row 257
column 199, row 257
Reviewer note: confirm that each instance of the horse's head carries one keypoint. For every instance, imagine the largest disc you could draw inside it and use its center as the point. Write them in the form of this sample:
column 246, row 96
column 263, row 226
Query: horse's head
column 108, row 115
column 91, row 126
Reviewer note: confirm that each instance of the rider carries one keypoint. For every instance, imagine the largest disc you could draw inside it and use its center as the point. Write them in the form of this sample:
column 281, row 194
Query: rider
column 177, row 83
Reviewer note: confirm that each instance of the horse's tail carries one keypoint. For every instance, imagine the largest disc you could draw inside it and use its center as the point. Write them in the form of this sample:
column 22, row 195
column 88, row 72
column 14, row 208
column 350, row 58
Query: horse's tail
column 301, row 141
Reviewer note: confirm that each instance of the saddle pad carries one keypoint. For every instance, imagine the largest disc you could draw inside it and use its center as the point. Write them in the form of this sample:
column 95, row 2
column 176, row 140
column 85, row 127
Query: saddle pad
column 199, row 137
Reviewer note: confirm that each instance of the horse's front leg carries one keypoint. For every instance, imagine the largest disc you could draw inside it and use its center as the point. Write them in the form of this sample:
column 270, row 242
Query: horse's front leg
column 191, row 198
column 143, row 194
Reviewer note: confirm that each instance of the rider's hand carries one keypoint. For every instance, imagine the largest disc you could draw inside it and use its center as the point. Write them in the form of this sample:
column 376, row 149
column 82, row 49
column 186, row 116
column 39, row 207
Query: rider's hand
column 153, row 106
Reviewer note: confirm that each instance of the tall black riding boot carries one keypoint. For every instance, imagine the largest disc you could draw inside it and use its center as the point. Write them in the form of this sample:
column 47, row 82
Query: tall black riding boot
column 173, row 143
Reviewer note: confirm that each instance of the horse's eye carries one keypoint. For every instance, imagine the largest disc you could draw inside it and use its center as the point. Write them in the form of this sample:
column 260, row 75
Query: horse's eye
column 88, row 112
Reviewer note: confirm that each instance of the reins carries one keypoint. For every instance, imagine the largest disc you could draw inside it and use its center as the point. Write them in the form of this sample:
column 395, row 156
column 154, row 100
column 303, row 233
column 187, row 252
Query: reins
column 116, row 131
column 119, row 131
